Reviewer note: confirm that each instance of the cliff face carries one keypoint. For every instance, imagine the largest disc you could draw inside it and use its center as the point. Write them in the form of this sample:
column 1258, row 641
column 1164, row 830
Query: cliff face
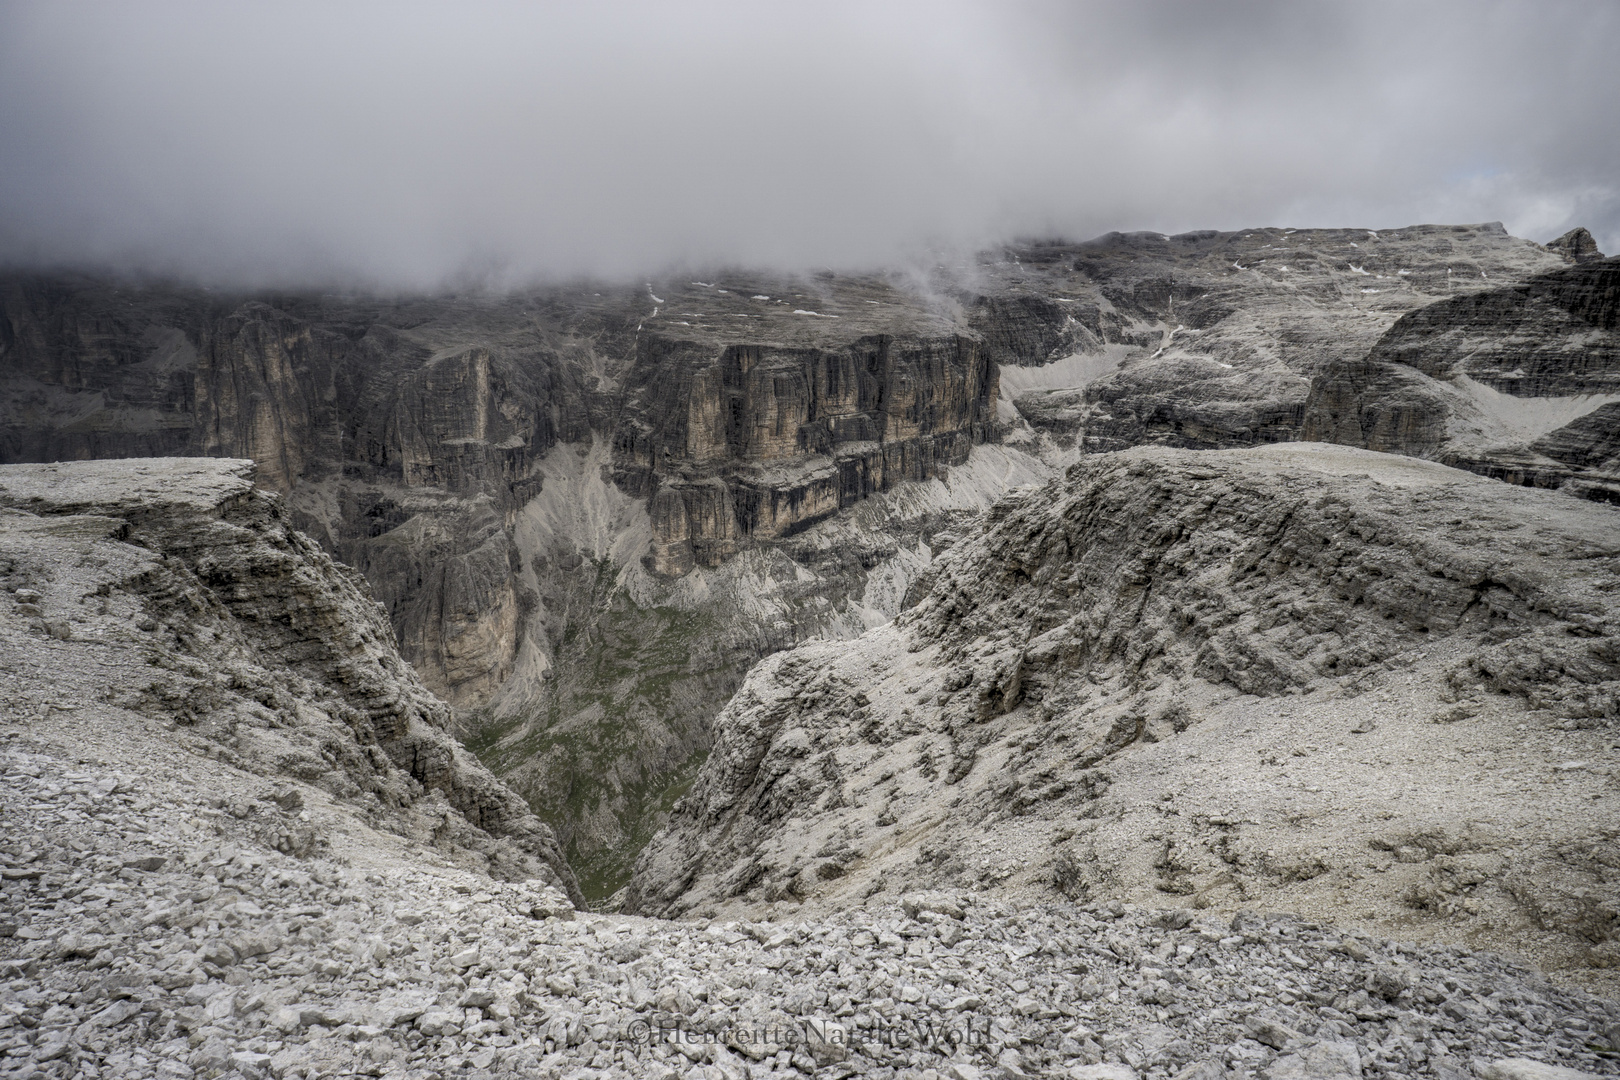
column 768, row 440
column 433, row 413
column 1295, row 677
column 409, row 436
column 175, row 589
column 1513, row 382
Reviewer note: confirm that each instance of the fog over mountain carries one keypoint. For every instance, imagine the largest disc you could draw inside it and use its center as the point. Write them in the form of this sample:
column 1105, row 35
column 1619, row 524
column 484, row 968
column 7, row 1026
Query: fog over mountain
column 414, row 145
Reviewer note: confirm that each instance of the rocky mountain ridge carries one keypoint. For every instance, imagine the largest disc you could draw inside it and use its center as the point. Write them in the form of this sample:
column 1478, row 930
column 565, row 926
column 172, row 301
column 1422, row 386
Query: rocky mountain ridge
column 1521, row 383
column 174, row 589
column 1306, row 677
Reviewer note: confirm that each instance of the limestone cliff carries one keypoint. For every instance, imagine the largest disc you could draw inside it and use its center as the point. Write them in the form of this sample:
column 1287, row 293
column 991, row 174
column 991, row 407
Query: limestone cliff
column 176, row 589
column 411, row 436
column 1578, row 246
column 1302, row 677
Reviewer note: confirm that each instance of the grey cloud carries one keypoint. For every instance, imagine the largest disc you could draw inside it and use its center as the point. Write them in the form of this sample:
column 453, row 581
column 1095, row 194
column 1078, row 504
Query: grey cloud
column 399, row 145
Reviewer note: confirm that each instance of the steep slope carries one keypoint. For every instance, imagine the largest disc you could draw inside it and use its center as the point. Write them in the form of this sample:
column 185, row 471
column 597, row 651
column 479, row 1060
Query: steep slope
column 174, row 589
column 1517, row 382
column 633, row 665
column 1307, row 677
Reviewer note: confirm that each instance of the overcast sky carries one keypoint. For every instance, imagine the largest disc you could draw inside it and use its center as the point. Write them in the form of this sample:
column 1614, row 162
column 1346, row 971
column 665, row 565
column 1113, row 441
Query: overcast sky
column 408, row 145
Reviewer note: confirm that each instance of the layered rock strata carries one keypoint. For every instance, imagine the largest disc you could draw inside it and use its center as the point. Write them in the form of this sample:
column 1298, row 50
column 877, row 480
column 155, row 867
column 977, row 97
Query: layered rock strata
column 1211, row 339
column 1517, row 382
column 1308, row 677
column 411, row 435
column 176, row 590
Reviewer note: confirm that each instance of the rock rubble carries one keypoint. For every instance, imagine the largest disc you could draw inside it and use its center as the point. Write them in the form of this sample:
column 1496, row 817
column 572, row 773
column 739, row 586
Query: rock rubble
column 146, row 934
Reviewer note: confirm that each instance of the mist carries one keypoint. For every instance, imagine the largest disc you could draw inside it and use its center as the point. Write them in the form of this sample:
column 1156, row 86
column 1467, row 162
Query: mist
column 414, row 146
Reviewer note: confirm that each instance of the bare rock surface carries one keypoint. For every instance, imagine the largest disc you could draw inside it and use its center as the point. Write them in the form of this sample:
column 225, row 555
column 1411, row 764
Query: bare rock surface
column 681, row 426
column 148, row 930
column 1517, row 382
column 236, row 842
column 1577, row 245
column 1212, row 339
column 1367, row 688
column 589, row 508
column 174, row 589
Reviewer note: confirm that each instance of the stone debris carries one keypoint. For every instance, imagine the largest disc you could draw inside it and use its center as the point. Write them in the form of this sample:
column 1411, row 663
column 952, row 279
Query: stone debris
column 216, row 955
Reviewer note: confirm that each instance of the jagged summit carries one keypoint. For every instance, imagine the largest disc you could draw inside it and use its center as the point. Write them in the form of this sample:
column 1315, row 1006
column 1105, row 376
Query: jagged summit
column 1577, row 245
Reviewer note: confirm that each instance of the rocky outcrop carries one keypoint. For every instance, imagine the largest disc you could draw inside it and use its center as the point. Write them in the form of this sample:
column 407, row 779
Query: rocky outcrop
column 1296, row 676
column 767, row 441
column 357, row 409
column 1490, row 382
column 1590, row 444
column 175, row 589
column 1577, row 245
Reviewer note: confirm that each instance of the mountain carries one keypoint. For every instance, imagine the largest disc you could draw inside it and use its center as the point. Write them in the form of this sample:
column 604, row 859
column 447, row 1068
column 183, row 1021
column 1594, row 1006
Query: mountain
column 1520, row 382
column 589, row 509
column 235, row 840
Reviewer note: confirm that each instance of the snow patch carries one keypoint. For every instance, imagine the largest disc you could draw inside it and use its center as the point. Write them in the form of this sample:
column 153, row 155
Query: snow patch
column 1071, row 371
column 1490, row 418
